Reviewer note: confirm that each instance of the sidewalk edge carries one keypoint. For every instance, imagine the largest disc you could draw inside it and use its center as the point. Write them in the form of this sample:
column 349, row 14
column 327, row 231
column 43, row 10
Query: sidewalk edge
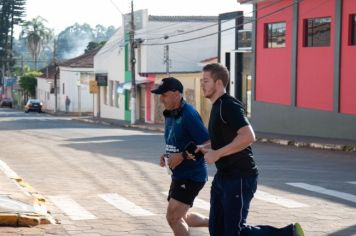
column 39, row 216
column 284, row 142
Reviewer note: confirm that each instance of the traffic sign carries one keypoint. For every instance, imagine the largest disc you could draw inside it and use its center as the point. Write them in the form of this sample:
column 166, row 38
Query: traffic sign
column 93, row 86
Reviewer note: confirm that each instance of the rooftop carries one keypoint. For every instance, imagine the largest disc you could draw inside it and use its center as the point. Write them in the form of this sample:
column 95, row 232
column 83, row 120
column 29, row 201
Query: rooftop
column 183, row 18
column 83, row 61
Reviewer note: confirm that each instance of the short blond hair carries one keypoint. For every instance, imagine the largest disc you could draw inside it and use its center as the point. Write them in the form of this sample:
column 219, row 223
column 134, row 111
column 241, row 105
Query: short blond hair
column 218, row 72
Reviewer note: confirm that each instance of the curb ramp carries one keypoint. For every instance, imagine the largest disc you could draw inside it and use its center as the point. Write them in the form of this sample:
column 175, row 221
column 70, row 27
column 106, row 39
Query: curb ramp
column 20, row 204
column 23, row 220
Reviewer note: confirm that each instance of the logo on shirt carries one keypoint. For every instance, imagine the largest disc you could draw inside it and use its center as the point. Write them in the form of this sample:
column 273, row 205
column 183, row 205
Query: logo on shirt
column 171, row 149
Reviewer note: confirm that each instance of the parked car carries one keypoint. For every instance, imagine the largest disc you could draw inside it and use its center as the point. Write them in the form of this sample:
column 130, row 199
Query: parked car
column 6, row 102
column 33, row 105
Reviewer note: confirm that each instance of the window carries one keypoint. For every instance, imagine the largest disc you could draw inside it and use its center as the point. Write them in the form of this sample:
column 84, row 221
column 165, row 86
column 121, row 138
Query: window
column 353, row 29
column 63, row 88
column 111, row 86
column 317, row 32
column 275, row 35
column 116, row 96
column 244, row 39
column 105, row 95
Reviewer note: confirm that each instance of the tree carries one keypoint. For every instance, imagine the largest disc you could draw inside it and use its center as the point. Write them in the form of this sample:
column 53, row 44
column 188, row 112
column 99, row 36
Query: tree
column 74, row 40
column 71, row 42
column 28, row 83
column 37, row 35
column 11, row 14
column 94, row 45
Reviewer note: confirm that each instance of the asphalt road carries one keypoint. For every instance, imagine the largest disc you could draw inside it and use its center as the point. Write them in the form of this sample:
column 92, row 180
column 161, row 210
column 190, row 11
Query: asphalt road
column 104, row 180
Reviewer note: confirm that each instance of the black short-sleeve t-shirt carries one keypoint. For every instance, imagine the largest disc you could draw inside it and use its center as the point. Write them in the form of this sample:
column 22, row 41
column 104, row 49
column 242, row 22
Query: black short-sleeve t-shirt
column 226, row 118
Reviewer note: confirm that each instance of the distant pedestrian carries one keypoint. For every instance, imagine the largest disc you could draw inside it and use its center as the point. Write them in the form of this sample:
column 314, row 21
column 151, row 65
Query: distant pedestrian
column 235, row 182
column 67, row 102
column 183, row 125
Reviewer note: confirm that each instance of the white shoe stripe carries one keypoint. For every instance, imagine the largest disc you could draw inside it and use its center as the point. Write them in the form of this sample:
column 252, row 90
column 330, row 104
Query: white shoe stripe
column 267, row 197
column 321, row 190
column 351, row 182
column 125, row 205
column 71, row 208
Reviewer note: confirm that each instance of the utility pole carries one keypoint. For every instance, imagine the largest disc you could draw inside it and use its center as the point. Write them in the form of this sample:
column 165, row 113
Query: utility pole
column 133, row 71
column 166, row 58
column 55, row 75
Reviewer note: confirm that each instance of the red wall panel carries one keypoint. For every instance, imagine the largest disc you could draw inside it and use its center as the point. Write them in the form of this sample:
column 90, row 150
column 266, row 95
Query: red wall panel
column 148, row 105
column 273, row 67
column 315, row 64
column 348, row 63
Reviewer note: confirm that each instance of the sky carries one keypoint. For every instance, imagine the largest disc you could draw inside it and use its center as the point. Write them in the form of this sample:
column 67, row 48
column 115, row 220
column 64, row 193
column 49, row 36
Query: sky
column 63, row 13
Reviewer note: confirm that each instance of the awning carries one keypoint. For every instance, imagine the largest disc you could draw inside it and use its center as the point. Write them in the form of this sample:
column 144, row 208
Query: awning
column 127, row 85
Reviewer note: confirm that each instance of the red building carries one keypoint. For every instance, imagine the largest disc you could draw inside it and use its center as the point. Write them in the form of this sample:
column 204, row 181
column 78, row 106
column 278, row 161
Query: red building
column 304, row 67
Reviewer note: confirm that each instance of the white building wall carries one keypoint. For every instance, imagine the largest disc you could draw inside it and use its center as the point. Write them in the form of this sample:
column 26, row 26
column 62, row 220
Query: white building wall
column 227, row 39
column 185, row 56
column 43, row 93
column 111, row 61
column 76, row 89
column 228, row 45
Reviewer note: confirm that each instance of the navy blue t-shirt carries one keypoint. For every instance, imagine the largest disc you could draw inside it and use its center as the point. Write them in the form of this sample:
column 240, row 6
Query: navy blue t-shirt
column 181, row 130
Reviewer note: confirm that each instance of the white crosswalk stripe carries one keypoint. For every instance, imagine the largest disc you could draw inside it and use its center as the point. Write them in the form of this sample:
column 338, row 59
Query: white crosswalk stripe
column 71, row 208
column 76, row 212
column 125, row 205
column 325, row 191
column 198, row 203
column 260, row 195
column 97, row 141
column 288, row 203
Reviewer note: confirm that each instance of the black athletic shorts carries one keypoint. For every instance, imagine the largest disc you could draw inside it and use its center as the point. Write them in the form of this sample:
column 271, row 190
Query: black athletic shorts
column 185, row 191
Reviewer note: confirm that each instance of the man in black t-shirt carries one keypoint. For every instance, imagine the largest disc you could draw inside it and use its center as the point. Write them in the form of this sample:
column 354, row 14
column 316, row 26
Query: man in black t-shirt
column 235, row 182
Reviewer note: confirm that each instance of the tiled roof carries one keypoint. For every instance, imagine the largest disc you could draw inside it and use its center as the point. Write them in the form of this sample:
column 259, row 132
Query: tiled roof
column 210, row 60
column 48, row 72
column 83, row 61
column 183, row 18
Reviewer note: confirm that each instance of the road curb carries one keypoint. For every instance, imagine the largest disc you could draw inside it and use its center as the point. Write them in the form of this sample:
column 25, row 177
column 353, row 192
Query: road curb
column 284, row 142
column 37, row 203
column 323, row 146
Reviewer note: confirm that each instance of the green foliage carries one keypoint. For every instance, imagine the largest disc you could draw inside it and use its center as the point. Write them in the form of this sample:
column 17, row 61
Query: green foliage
column 11, row 14
column 94, row 45
column 36, row 35
column 74, row 40
column 71, row 42
column 28, row 82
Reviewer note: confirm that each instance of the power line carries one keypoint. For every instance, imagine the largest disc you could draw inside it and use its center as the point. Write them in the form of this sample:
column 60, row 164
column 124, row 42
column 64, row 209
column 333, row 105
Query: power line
column 116, row 7
column 211, row 34
column 208, row 26
column 234, row 27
